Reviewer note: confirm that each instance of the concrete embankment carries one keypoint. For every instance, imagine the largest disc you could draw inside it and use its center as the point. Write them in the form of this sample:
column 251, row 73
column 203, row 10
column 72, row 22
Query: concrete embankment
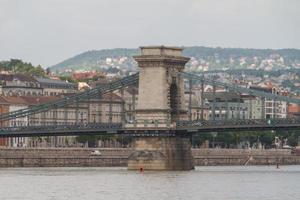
column 117, row 157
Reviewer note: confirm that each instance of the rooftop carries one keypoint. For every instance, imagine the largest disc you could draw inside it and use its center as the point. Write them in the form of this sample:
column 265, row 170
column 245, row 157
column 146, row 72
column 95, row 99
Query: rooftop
column 26, row 100
column 20, row 77
column 53, row 81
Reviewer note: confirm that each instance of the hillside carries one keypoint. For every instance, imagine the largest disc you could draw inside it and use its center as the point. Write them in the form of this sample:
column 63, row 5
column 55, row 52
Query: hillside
column 203, row 58
column 96, row 60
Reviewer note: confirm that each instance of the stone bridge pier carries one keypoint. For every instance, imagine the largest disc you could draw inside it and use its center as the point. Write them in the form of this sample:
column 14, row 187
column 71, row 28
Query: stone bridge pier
column 160, row 103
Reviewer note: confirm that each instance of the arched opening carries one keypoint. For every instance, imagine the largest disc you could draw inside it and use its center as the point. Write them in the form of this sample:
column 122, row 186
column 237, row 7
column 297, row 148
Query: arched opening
column 173, row 101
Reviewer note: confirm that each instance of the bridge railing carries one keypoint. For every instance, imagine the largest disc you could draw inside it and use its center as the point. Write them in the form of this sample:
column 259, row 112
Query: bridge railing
column 100, row 126
column 242, row 122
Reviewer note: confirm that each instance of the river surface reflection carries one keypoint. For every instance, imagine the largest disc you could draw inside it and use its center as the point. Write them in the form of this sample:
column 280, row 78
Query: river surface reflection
column 209, row 183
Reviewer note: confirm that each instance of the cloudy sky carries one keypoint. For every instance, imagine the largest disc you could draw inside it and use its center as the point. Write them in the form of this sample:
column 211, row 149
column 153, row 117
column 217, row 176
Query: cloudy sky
column 49, row 31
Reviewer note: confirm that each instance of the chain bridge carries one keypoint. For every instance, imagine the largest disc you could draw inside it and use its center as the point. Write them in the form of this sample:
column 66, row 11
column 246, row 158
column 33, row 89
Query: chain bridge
column 161, row 111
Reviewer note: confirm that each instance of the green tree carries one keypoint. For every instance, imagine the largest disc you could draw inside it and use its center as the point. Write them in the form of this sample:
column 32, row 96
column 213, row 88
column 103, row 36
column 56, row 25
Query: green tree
column 18, row 66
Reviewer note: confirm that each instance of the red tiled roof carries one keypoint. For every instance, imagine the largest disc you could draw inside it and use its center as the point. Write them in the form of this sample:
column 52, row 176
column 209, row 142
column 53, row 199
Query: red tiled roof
column 12, row 100
column 115, row 97
column 105, row 97
column 26, row 100
column 33, row 100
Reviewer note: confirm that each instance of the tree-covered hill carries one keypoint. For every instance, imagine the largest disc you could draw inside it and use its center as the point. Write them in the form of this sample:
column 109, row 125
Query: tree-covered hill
column 213, row 58
column 94, row 59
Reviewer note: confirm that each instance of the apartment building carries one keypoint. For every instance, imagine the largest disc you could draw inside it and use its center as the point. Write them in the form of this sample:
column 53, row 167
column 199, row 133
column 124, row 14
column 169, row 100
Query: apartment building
column 109, row 108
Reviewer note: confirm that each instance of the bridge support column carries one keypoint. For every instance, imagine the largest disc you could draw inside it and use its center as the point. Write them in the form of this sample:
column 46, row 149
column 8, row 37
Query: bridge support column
column 161, row 153
column 161, row 104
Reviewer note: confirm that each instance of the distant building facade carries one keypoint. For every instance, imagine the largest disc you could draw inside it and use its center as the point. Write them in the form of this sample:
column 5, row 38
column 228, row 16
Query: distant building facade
column 273, row 108
column 227, row 105
column 25, row 85
column 293, row 110
column 255, row 106
column 14, row 104
column 109, row 108
column 52, row 87
column 19, row 85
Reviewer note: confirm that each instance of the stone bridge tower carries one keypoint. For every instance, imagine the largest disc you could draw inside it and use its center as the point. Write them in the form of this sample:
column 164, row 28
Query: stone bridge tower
column 161, row 89
column 160, row 102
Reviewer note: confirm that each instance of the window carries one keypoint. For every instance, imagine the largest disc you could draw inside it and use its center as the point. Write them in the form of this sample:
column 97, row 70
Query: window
column 269, row 104
column 269, row 110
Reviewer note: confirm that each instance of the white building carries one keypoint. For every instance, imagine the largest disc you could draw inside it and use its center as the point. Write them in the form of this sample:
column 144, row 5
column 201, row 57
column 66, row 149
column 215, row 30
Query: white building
column 273, row 108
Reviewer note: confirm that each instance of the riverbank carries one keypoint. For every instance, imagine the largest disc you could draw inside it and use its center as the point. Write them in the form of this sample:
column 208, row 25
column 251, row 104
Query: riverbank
column 117, row 157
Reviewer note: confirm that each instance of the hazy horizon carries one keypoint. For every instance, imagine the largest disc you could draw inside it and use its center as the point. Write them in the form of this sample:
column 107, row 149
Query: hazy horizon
column 50, row 31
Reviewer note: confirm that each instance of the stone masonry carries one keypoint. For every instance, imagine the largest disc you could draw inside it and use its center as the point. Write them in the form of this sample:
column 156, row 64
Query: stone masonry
column 118, row 157
column 160, row 104
column 161, row 89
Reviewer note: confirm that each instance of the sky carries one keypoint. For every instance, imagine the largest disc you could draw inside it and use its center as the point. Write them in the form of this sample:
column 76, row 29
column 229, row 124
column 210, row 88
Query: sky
column 47, row 32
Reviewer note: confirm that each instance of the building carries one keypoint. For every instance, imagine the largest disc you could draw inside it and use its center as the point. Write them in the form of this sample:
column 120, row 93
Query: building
column 255, row 106
column 108, row 109
column 25, row 85
column 228, row 105
column 11, row 104
column 196, row 110
column 19, row 85
column 130, row 96
column 272, row 108
column 196, row 106
column 52, row 87
column 293, row 111
column 84, row 75
column 4, row 108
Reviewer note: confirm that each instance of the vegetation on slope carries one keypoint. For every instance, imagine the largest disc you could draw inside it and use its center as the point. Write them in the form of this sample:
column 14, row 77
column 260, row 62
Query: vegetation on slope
column 217, row 58
column 18, row 66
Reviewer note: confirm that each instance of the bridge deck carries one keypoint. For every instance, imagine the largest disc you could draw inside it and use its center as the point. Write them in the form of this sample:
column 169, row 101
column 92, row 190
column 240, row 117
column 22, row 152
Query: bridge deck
column 183, row 127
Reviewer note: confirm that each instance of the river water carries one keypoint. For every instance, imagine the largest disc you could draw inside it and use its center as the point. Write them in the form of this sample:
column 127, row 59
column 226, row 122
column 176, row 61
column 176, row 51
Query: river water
column 208, row 183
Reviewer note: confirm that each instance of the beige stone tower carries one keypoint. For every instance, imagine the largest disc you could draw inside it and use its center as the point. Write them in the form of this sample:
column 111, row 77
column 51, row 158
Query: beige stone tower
column 161, row 89
column 160, row 103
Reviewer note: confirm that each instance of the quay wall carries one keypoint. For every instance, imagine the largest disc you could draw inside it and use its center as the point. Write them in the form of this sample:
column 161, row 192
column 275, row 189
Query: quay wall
column 63, row 157
column 117, row 157
column 214, row 157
